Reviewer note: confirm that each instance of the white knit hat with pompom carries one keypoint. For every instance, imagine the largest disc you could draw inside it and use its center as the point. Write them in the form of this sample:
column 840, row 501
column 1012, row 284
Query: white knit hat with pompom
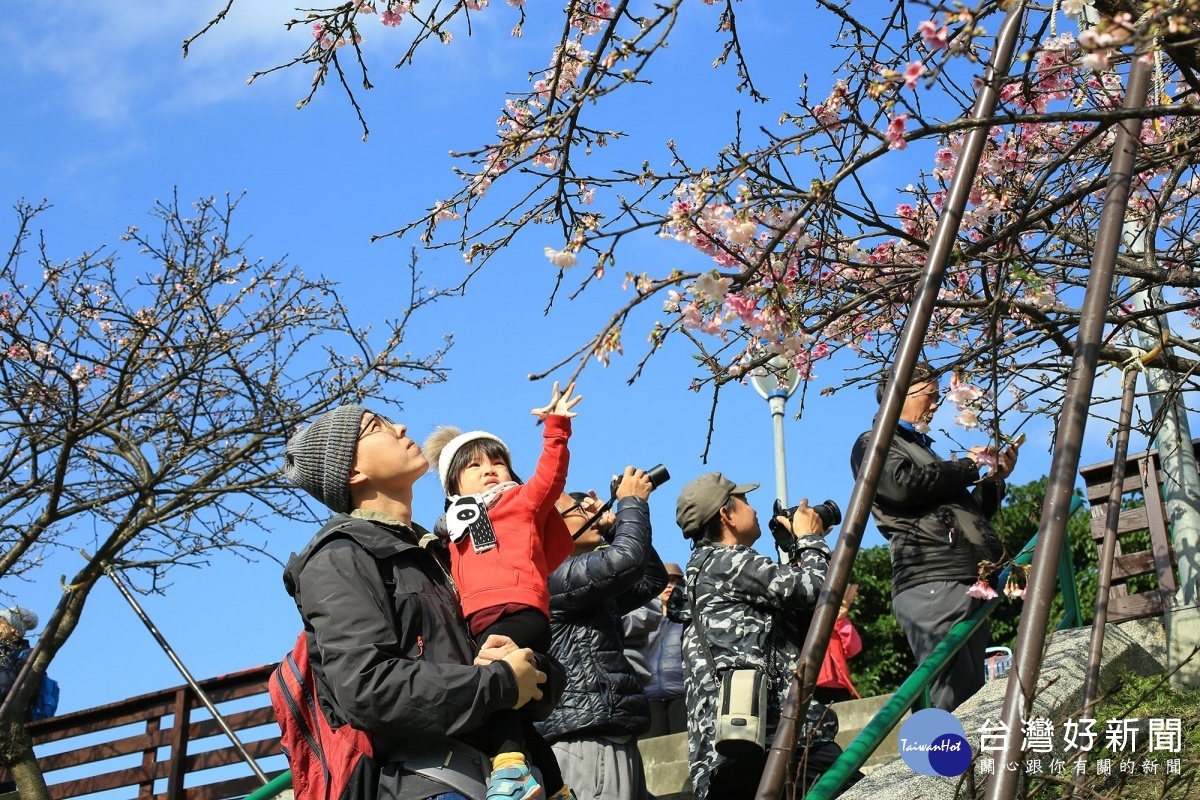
column 442, row 445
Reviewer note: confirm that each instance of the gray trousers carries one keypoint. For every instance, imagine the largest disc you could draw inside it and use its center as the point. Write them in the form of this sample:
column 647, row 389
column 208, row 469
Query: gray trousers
column 926, row 613
column 602, row 769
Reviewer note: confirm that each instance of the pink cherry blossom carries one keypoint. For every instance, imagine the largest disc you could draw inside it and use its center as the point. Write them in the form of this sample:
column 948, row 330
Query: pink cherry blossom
column 912, row 74
column 1097, row 60
column 962, row 393
column 709, row 287
column 935, row 38
column 984, row 459
column 982, row 589
column 741, row 306
column 895, row 132
column 968, row 419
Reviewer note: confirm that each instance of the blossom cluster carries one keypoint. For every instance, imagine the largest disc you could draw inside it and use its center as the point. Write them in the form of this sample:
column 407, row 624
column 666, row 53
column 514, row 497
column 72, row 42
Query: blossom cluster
column 792, row 248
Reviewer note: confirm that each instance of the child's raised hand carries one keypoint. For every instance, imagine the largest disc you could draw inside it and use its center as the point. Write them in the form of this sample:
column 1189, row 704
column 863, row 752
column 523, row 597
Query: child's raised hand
column 561, row 403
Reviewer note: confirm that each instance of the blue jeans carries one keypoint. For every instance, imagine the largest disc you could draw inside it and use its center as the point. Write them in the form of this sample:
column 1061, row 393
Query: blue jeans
column 449, row 796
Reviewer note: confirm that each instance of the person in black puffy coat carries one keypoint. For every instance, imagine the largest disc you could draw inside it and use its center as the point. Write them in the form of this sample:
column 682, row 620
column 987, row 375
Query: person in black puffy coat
column 603, row 710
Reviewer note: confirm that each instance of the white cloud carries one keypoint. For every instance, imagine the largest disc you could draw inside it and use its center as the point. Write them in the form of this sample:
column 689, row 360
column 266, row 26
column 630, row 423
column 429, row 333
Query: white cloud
column 106, row 59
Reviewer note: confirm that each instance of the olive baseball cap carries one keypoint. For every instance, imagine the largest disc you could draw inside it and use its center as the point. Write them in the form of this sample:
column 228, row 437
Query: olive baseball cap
column 701, row 499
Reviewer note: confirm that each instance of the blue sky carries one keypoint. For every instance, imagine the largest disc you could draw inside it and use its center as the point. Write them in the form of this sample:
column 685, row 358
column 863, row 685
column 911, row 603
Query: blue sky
column 104, row 117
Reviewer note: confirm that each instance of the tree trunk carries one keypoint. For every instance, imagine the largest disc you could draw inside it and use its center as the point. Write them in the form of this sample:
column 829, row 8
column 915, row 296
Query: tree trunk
column 17, row 757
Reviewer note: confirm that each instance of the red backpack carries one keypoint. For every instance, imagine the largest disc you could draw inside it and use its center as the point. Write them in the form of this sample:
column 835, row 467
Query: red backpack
column 327, row 763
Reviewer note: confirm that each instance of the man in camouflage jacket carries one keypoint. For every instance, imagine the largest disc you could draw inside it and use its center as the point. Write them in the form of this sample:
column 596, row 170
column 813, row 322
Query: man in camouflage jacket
column 755, row 613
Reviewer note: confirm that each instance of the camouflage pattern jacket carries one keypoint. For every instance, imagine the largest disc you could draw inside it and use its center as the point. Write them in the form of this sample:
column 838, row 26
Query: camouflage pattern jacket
column 756, row 614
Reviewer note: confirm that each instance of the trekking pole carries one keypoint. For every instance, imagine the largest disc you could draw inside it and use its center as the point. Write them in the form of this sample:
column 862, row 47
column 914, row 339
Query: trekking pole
column 941, row 246
column 187, row 676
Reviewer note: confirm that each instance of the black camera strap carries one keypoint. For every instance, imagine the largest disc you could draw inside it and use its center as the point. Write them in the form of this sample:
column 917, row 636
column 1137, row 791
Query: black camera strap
column 658, row 475
column 691, row 593
column 595, row 517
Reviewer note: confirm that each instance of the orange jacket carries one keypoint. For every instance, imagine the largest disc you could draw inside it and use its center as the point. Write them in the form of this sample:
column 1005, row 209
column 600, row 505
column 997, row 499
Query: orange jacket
column 845, row 643
column 531, row 537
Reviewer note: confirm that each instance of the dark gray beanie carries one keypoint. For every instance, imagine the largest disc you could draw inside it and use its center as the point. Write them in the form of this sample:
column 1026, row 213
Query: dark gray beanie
column 318, row 458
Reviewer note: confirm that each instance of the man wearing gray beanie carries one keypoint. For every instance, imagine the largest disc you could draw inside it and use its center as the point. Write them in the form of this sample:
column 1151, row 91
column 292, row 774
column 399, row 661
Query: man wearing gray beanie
column 388, row 646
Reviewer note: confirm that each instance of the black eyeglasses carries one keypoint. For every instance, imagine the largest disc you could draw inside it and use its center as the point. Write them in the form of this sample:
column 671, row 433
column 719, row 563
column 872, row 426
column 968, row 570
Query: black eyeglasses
column 377, row 423
column 566, row 512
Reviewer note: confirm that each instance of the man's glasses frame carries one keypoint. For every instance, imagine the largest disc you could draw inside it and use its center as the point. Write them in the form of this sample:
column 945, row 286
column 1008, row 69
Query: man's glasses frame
column 370, row 427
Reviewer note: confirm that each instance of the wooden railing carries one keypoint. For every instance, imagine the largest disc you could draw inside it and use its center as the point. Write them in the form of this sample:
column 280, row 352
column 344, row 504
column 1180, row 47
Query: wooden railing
column 96, row 750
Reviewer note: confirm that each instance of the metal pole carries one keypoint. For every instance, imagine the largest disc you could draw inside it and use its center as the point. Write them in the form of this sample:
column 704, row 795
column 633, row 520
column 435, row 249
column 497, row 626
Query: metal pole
column 1031, row 634
column 1108, row 548
column 909, row 349
column 1091, row 680
column 778, row 402
column 187, row 676
column 1072, row 618
column 1173, row 439
column 278, row 785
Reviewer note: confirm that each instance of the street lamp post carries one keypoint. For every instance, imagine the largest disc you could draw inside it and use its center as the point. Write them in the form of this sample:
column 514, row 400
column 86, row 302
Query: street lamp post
column 776, row 381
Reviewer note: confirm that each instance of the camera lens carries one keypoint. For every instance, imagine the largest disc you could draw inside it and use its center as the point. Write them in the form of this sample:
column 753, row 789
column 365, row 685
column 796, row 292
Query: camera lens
column 829, row 513
column 658, row 475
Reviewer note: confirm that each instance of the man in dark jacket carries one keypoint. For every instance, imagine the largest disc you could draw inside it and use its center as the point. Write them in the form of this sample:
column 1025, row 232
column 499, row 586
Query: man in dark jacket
column 595, row 726
column 389, row 647
column 934, row 514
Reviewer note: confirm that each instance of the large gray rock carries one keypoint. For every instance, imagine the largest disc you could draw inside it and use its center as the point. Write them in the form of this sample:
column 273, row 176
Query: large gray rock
column 1135, row 647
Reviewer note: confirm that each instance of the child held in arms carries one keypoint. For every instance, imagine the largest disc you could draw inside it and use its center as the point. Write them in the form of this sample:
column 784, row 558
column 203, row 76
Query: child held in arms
column 506, row 537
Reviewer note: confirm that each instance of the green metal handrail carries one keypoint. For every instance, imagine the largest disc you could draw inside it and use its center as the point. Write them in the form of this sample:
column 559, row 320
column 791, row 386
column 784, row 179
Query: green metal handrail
column 280, row 783
column 1072, row 616
column 869, row 739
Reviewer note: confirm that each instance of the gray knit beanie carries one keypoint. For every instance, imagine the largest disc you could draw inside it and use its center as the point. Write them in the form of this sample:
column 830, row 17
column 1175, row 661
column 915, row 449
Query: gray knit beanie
column 318, row 458
column 21, row 619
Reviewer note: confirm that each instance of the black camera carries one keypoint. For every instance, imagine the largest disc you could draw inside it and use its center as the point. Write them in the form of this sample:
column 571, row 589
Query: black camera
column 829, row 512
column 658, row 475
